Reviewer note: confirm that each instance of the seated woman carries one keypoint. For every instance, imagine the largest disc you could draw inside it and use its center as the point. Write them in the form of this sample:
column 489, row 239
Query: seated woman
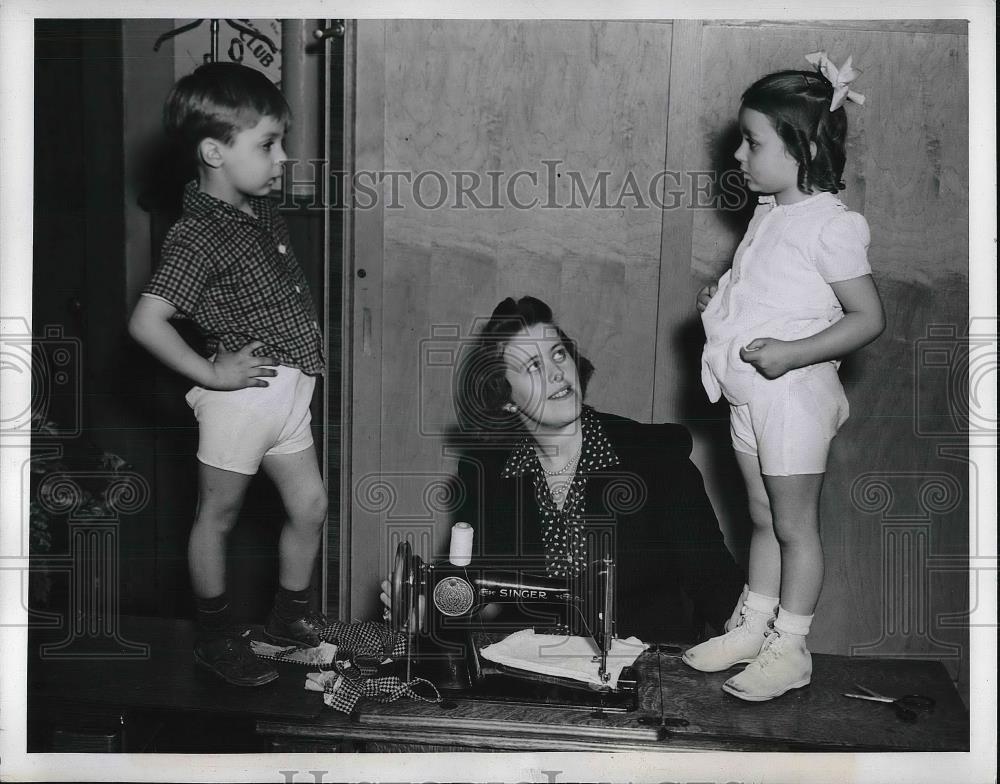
column 556, row 484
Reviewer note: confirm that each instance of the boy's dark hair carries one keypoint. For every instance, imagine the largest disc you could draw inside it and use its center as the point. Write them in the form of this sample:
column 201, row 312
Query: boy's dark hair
column 216, row 101
column 483, row 389
column 798, row 105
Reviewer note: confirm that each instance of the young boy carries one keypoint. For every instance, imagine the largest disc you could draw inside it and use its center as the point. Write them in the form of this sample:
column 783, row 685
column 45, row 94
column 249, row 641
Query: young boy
column 228, row 266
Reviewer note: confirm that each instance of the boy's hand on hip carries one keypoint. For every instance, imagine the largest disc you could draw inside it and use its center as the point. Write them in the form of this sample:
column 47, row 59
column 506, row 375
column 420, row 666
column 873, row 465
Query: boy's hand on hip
column 240, row 369
column 705, row 295
column 772, row 358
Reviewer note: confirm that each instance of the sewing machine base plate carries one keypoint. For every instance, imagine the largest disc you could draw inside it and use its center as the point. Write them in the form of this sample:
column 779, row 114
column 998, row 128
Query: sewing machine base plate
column 506, row 688
column 459, row 675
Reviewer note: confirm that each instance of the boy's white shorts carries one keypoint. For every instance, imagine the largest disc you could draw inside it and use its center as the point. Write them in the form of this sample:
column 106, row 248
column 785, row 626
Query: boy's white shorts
column 789, row 422
column 237, row 429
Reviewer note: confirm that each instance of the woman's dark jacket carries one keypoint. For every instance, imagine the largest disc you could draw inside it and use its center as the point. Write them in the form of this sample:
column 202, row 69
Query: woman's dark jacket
column 674, row 571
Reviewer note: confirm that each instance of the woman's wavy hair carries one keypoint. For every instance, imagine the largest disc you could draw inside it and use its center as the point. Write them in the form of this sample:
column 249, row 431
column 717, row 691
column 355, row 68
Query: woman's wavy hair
column 798, row 105
column 482, row 389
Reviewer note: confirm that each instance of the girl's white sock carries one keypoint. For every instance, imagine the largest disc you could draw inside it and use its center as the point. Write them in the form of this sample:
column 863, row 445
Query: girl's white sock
column 761, row 603
column 790, row 623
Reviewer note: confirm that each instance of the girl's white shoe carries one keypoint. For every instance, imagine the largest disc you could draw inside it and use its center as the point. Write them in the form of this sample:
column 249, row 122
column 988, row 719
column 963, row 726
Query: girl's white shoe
column 734, row 619
column 783, row 664
column 737, row 646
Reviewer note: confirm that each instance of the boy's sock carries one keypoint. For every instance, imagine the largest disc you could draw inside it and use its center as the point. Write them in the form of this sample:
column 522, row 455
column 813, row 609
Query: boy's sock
column 292, row 621
column 214, row 616
column 292, row 605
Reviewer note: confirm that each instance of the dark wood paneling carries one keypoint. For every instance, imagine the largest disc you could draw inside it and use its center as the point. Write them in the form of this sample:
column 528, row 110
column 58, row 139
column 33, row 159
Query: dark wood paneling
column 78, row 264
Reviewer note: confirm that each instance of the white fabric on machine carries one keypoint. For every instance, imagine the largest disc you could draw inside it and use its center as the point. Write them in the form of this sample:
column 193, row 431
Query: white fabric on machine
column 563, row 656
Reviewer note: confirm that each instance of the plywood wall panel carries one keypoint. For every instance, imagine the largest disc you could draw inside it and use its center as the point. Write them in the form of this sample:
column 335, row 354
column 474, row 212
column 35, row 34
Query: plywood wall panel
column 907, row 148
column 463, row 99
column 507, row 97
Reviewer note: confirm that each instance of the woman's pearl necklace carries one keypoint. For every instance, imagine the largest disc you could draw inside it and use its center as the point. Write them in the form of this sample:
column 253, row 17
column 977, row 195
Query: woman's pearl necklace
column 566, row 469
column 560, row 487
column 559, row 490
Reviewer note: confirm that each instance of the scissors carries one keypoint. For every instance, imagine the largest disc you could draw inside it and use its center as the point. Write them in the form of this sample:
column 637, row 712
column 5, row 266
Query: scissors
column 906, row 707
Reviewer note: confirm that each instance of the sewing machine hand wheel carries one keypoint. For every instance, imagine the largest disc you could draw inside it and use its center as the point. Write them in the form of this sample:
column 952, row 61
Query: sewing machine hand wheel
column 402, row 587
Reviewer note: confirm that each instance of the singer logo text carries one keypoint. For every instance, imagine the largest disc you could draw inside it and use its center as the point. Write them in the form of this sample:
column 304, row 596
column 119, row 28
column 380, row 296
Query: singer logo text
column 523, row 593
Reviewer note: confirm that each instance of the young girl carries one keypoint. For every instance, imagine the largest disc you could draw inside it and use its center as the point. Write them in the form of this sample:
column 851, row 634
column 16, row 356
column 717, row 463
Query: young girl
column 798, row 298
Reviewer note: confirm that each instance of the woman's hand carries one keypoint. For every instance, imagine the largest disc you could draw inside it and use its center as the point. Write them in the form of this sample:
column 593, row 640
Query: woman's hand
column 417, row 616
column 771, row 357
column 705, row 295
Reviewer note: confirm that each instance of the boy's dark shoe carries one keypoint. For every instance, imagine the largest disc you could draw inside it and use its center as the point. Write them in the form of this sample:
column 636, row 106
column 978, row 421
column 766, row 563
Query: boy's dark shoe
column 302, row 632
column 232, row 659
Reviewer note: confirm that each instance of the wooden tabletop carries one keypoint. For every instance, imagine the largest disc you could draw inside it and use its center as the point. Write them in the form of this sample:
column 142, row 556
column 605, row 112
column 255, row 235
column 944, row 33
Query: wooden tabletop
column 167, row 678
column 677, row 707
column 697, row 714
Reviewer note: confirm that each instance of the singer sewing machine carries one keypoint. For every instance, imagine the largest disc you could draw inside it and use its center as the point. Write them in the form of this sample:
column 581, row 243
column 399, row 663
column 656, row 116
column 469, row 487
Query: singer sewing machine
column 441, row 609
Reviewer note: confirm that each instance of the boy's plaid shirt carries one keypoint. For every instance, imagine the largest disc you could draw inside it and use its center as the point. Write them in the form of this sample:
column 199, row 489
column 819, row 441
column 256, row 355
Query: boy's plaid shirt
column 235, row 276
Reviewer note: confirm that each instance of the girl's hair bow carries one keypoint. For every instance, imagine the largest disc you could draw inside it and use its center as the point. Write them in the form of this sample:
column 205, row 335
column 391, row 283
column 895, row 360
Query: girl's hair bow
column 839, row 78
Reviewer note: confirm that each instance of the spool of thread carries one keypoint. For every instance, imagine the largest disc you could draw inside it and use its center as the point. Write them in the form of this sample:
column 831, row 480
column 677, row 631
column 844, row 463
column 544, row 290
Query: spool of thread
column 460, row 553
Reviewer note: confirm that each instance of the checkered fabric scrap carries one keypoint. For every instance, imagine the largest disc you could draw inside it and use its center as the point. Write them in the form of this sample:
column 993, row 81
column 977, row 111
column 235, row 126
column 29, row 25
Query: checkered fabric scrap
column 365, row 651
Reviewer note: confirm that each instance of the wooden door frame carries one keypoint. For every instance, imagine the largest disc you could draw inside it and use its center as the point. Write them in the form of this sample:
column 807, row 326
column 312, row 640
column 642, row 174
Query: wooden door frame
column 361, row 382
